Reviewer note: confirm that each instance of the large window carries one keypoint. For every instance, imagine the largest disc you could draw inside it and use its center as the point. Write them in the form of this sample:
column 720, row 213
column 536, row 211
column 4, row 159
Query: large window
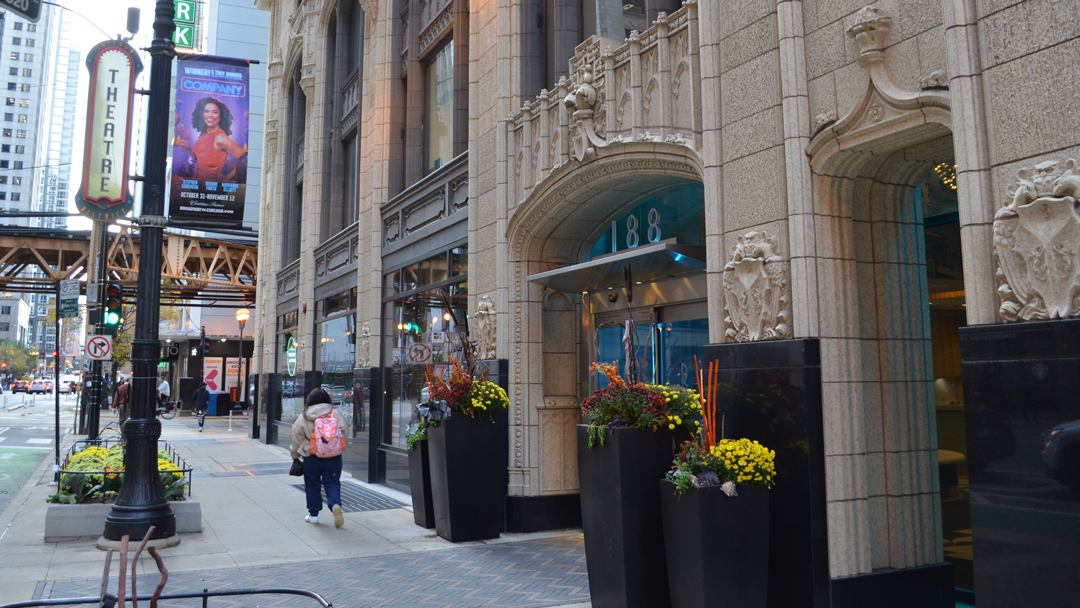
column 349, row 210
column 335, row 348
column 356, row 39
column 425, row 309
column 287, row 365
column 439, row 109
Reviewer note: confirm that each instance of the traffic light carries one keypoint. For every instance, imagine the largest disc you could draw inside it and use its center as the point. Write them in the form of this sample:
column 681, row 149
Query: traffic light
column 114, row 302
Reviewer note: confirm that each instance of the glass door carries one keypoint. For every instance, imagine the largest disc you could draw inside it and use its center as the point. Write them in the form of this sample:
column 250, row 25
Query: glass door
column 665, row 342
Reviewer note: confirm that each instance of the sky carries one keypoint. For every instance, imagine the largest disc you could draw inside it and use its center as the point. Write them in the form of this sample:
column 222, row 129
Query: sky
column 110, row 16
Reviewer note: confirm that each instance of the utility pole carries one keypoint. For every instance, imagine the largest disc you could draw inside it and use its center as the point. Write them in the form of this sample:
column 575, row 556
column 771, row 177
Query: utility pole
column 142, row 502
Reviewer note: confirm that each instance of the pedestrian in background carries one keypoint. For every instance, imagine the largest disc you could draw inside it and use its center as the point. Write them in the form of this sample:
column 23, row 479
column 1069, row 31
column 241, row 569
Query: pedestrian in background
column 317, row 437
column 120, row 398
column 202, row 402
column 163, row 392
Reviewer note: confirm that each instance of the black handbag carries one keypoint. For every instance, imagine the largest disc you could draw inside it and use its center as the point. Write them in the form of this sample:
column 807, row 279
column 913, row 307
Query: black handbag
column 297, row 468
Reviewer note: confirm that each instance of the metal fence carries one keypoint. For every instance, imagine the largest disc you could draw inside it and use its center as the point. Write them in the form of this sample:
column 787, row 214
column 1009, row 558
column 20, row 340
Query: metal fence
column 183, row 467
column 110, row 600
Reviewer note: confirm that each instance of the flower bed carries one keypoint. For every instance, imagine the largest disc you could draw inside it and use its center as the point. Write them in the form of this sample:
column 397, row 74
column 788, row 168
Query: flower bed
column 95, row 472
column 643, row 406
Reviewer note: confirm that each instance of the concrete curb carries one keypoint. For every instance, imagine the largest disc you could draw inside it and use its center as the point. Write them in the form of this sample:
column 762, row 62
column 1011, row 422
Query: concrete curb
column 69, row 522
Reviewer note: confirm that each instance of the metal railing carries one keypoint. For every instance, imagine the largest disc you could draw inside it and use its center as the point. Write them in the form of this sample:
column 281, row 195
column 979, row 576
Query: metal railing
column 110, row 600
column 183, row 467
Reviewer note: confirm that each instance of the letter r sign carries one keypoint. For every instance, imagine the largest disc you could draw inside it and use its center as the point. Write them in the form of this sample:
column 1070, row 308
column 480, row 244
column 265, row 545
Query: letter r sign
column 185, row 11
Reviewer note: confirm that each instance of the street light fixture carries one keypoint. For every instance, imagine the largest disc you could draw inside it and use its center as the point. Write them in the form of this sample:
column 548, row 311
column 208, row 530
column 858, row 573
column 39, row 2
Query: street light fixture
column 141, row 502
column 242, row 316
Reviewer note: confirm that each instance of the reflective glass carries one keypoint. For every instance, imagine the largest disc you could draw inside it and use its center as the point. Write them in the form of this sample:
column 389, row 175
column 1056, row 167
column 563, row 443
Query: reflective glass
column 439, row 109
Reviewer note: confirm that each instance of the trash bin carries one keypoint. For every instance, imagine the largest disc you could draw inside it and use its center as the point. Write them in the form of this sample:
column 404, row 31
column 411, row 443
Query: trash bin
column 211, row 407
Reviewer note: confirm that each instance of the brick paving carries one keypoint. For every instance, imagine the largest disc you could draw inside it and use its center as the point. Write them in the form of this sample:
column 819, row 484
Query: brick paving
column 526, row 574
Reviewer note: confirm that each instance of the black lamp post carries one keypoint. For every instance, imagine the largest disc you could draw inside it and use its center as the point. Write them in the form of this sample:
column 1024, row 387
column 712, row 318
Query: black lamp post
column 242, row 316
column 141, row 502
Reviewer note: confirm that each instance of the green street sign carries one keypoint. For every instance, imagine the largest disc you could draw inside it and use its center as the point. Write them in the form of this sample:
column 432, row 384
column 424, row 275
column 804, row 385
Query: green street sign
column 184, row 11
column 184, row 36
column 69, row 299
column 27, row 9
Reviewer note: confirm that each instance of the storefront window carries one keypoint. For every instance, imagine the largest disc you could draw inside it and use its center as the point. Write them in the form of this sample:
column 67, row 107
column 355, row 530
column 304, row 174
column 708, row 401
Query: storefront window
column 335, row 344
column 422, row 327
column 439, row 109
column 291, row 386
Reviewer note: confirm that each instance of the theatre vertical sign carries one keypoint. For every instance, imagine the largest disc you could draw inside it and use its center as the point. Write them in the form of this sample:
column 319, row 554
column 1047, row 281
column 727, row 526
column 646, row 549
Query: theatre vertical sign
column 105, row 193
column 210, row 142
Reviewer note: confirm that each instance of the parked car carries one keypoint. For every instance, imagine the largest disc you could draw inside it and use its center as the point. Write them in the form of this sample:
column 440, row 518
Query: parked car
column 20, row 386
column 38, row 387
column 1061, row 454
column 338, row 394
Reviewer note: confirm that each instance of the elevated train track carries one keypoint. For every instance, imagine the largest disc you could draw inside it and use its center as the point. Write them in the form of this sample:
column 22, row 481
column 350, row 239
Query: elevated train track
column 192, row 267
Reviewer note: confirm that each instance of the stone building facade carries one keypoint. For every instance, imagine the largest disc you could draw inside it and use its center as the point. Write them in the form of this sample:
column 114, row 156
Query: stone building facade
column 880, row 182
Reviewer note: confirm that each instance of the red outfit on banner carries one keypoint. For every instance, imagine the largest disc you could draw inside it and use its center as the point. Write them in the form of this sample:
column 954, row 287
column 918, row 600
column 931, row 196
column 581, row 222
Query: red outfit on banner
column 211, row 160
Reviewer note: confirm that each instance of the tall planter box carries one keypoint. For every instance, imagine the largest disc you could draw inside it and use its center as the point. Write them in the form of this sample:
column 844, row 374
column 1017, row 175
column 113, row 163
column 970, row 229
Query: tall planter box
column 420, row 484
column 620, row 513
column 717, row 546
column 468, row 458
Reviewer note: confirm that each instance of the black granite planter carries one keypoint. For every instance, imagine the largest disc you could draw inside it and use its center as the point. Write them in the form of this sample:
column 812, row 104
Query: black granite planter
column 468, row 458
column 620, row 514
column 420, row 484
column 717, row 546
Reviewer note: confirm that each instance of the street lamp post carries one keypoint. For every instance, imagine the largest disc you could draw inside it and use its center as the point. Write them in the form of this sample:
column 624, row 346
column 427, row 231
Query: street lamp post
column 141, row 502
column 242, row 316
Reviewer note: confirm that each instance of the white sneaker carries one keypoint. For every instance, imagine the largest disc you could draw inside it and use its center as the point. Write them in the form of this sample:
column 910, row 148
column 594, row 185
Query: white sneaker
column 339, row 517
column 311, row 519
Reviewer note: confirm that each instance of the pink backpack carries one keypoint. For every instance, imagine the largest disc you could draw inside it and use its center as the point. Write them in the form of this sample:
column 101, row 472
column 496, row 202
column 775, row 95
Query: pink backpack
column 327, row 440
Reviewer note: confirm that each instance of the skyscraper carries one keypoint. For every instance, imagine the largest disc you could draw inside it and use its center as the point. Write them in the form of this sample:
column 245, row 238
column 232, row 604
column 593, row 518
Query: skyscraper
column 53, row 162
column 24, row 63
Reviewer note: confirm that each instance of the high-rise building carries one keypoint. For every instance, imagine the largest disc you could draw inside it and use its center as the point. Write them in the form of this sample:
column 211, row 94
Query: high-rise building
column 53, row 163
column 24, row 67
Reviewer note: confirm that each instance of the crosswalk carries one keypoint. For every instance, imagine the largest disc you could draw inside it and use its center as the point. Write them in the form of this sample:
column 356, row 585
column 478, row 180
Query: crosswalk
column 35, row 442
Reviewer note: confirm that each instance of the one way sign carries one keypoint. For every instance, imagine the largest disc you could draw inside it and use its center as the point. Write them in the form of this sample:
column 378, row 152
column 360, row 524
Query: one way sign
column 99, row 347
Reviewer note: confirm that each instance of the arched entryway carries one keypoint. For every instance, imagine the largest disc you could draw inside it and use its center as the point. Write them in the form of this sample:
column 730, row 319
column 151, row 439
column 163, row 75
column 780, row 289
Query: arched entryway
column 889, row 299
column 563, row 225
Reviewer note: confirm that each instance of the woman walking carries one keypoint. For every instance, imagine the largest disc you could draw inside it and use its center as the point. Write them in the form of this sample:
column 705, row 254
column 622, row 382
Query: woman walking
column 318, row 437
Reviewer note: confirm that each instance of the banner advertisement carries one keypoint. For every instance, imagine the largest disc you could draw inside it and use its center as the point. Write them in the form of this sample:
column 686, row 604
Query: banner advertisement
column 212, row 374
column 210, row 142
column 232, row 373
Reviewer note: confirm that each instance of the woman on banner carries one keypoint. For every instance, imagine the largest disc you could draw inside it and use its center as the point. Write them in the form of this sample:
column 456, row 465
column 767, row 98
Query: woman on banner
column 213, row 120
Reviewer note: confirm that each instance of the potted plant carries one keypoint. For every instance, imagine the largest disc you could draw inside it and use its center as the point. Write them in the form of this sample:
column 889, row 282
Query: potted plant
column 626, row 445
column 715, row 506
column 468, row 455
column 428, row 414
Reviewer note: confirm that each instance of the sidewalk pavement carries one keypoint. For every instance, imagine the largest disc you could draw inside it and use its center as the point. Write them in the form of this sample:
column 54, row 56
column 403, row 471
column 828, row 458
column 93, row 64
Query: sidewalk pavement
column 254, row 535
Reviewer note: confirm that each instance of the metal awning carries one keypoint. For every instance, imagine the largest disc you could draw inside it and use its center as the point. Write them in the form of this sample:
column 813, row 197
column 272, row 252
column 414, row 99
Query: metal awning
column 650, row 263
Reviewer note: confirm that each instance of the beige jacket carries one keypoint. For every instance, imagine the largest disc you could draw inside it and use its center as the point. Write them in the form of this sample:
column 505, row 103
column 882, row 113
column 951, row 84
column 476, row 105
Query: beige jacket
column 300, row 444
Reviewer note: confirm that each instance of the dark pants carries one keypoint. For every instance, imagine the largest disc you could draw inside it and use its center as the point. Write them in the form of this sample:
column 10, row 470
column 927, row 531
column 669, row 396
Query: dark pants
column 327, row 473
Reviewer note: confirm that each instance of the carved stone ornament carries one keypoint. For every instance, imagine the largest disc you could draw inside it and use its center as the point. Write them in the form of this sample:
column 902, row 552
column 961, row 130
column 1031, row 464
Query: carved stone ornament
column 883, row 108
column 756, row 292
column 581, row 102
column 364, row 346
column 485, row 328
column 870, row 30
column 1037, row 244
